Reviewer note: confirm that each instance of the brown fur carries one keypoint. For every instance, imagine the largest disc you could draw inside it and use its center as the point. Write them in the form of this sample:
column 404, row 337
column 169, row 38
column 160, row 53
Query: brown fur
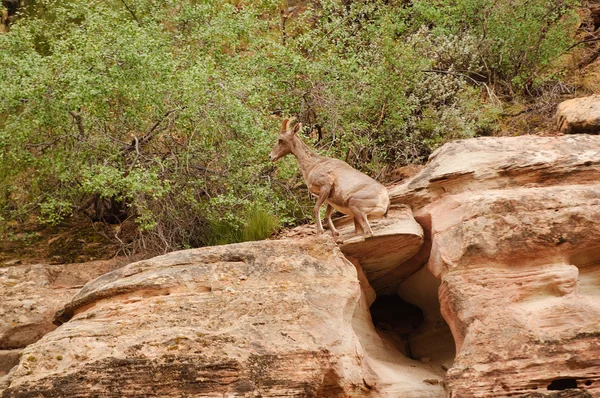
column 334, row 182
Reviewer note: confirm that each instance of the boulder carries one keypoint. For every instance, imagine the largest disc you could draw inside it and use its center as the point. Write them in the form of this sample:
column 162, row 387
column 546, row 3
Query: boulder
column 270, row 318
column 30, row 295
column 480, row 164
column 392, row 254
column 520, row 273
column 579, row 115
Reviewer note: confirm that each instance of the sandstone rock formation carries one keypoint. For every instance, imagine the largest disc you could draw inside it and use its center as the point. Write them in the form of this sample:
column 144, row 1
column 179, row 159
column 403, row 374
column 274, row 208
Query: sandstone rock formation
column 514, row 226
column 30, row 295
column 502, row 258
column 271, row 318
column 398, row 237
column 579, row 115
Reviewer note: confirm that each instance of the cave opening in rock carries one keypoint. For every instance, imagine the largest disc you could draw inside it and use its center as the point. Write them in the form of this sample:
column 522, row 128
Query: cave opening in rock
column 408, row 316
column 562, row 384
column 397, row 319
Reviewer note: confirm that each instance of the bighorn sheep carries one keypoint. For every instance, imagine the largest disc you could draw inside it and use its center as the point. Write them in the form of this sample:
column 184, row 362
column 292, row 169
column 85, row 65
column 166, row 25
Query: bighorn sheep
column 335, row 182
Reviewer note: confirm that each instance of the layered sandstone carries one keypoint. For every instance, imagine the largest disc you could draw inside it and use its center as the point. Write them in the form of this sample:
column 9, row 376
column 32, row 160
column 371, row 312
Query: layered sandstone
column 513, row 226
column 397, row 238
column 271, row 318
column 495, row 240
column 30, row 295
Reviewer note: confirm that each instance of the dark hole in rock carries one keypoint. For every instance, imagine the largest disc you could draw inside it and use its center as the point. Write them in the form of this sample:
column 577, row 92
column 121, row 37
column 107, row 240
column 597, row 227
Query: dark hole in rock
column 588, row 383
column 393, row 315
column 562, row 384
column 409, row 322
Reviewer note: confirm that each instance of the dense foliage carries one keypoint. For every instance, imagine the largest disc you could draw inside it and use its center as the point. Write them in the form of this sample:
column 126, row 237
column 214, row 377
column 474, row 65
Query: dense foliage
column 167, row 109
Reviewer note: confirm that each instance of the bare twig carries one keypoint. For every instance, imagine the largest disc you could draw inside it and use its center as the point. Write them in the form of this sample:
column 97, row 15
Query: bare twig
column 327, row 35
column 589, row 59
column 293, row 195
column 582, row 42
column 132, row 13
column 137, row 155
column 136, row 143
column 45, row 145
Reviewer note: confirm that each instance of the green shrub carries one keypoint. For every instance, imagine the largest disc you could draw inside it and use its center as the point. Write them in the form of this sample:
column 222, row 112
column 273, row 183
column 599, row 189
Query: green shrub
column 168, row 107
column 515, row 38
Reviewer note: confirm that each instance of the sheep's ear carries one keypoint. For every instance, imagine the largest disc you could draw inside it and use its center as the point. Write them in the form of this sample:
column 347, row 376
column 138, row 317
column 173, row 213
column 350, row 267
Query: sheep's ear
column 297, row 128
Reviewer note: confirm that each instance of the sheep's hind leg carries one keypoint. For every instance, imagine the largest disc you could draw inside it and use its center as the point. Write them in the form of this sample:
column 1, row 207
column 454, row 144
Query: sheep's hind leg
column 358, row 229
column 361, row 223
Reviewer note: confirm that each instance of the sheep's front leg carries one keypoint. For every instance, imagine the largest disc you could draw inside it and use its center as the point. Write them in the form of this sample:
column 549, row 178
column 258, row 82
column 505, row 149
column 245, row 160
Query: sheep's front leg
column 328, row 213
column 323, row 195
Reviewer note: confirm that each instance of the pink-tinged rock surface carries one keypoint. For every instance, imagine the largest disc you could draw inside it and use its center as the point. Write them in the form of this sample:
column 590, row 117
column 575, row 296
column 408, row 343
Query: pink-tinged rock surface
column 271, row 318
column 523, row 307
column 391, row 255
column 30, row 295
column 514, row 226
column 397, row 238
column 481, row 164
column 501, row 254
column 579, row 115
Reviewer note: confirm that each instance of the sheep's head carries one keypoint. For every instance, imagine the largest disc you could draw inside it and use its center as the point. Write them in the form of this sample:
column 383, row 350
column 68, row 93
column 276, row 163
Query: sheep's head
column 285, row 142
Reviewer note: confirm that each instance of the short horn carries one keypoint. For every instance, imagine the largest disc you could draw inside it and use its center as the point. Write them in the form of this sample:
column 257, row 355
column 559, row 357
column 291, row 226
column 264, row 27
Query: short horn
column 297, row 127
column 289, row 124
column 284, row 125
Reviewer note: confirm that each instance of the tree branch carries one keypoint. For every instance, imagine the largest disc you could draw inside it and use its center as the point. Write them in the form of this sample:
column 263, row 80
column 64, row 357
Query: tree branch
column 136, row 143
column 131, row 12
column 285, row 14
column 79, row 123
